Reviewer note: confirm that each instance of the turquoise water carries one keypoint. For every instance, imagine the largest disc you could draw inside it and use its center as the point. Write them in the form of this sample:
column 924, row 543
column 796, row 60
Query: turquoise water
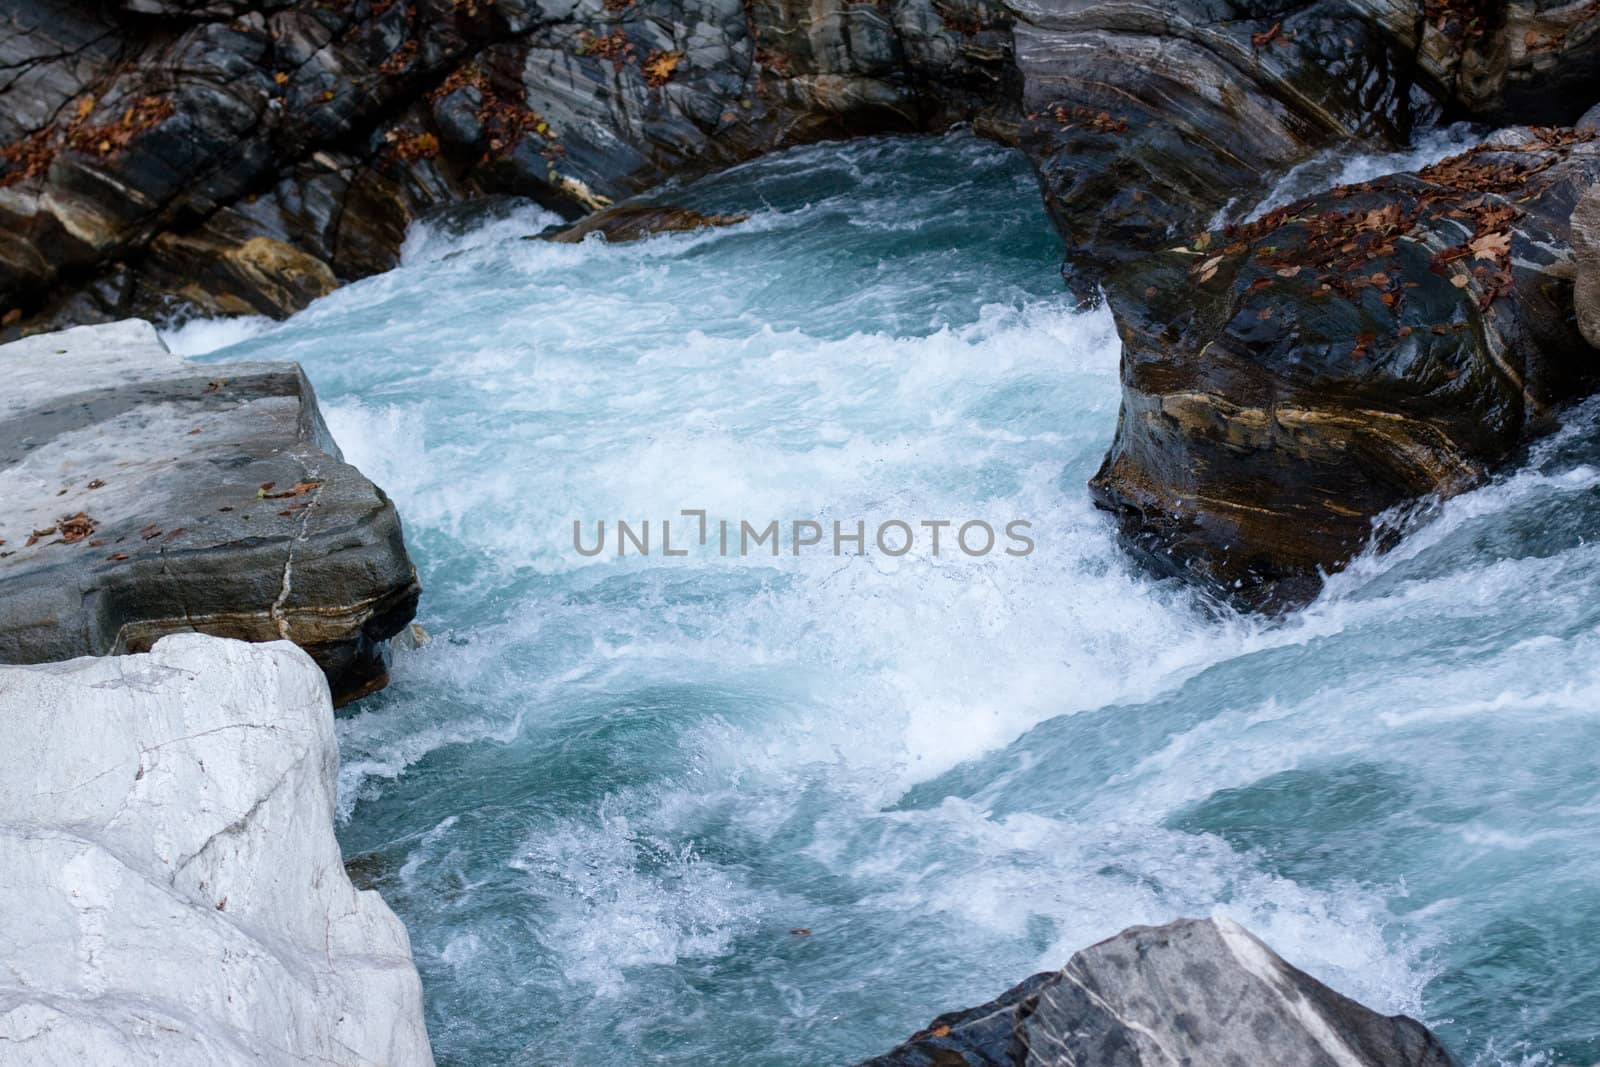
column 607, row 793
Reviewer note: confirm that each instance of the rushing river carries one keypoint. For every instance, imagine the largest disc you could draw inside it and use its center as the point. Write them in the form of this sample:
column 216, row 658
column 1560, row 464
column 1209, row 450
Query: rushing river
column 742, row 810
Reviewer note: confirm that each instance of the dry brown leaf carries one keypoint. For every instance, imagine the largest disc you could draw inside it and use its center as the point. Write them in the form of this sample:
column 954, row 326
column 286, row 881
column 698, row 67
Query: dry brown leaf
column 1492, row 246
column 659, row 65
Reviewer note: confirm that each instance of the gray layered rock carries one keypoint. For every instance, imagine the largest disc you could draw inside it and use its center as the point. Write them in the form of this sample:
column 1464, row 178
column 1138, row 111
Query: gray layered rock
column 1145, row 120
column 232, row 157
column 173, row 890
column 1200, row 993
column 229, row 156
column 147, row 495
column 1585, row 223
column 1288, row 382
column 1149, row 122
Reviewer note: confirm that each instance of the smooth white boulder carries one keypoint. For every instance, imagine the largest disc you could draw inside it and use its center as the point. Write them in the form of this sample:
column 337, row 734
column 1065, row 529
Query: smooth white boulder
column 170, row 887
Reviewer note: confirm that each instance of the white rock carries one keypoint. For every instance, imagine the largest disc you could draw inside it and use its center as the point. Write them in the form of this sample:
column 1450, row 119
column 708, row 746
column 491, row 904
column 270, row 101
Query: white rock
column 173, row 892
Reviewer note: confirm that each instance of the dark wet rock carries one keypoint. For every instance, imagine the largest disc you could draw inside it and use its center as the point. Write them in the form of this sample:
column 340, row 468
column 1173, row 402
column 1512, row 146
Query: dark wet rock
column 1517, row 61
column 1288, row 381
column 142, row 146
column 141, row 143
column 146, row 495
column 631, row 222
column 1200, row 992
column 1146, row 120
column 1151, row 121
column 1586, row 248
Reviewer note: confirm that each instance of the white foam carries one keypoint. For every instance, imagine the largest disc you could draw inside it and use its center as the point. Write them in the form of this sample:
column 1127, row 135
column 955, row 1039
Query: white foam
column 200, row 337
column 500, row 389
column 1339, row 167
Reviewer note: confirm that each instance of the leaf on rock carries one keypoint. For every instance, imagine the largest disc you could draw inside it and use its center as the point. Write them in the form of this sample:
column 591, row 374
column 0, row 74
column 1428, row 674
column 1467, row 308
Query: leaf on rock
column 300, row 488
column 1491, row 246
column 75, row 528
column 659, row 65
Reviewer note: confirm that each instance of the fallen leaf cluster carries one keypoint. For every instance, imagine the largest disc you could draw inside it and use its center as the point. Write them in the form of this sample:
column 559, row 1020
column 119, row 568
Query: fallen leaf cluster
column 1098, row 121
column 32, row 156
column 401, row 60
column 1275, row 35
column 1479, row 188
column 659, row 65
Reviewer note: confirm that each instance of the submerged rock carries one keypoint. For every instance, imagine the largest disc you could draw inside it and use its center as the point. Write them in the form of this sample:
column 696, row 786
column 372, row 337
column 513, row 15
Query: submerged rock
column 147, row 495
column 632, row 222
column 174, row 893
column 1288, row 381
column 1204, row 993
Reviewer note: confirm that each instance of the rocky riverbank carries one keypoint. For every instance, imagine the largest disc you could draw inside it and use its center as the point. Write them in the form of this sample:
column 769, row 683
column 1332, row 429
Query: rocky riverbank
column 174, row 892
column 226, row 157
column 147, row 495
column 167, row 157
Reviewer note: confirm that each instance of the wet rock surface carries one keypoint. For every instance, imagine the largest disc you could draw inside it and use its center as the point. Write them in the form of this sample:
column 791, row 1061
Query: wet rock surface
column 223, row 157
column 226, row 157
column 1146, row 121
column 146, row 495
column 1200, row 992
column 1287, row 381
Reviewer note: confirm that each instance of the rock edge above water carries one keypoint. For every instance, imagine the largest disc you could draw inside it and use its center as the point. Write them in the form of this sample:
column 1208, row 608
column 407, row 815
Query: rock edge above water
column 1200, row 992
column 174, row 892
column 146, row 495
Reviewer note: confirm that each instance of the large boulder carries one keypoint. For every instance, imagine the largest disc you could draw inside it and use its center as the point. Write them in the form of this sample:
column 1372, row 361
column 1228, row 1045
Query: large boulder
column 1149, row 122
column 147, row 495
column 174, row 892
column 1204, row 993
column 1288, row 381
column 1146, row 120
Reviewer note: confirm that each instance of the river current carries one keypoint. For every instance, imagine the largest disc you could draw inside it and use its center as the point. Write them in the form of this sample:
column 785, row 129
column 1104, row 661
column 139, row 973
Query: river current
column 756, row 810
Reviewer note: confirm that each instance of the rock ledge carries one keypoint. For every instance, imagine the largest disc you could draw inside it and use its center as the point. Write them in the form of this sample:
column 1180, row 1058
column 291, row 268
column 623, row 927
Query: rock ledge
column 174, row 893
column 147, row 495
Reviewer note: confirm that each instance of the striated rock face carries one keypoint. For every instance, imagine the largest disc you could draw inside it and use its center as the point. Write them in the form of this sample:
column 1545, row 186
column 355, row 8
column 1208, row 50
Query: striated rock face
column 226, row 156
column 1287, row 381
column 1585, row 224
column 1198, row 992
column 146, row 495
column 1146, row 120
column 174, row 893
column 231, row 156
